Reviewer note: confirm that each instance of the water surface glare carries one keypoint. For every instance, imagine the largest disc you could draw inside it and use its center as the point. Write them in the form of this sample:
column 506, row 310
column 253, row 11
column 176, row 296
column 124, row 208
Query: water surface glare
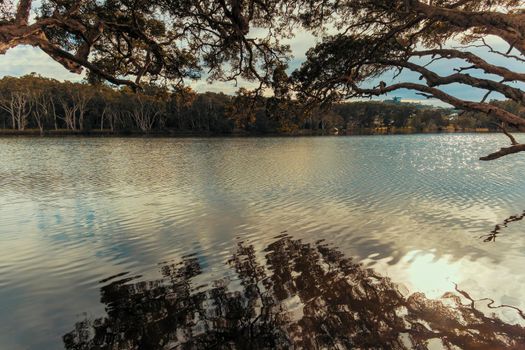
column 78, row 215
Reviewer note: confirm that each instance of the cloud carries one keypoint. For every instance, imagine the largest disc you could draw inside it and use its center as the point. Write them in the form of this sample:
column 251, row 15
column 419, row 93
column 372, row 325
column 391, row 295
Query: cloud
column 24, row 60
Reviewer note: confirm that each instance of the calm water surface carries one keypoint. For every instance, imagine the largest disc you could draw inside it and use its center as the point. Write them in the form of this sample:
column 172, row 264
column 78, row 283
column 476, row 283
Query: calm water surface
column 152, row 243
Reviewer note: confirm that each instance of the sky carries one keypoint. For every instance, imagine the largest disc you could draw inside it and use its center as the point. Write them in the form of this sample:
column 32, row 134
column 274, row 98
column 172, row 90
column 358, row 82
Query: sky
column 24, row 60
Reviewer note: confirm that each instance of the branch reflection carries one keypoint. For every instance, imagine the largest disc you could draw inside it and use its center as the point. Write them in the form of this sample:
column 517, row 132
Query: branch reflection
column 298, row 295
column 491, row 237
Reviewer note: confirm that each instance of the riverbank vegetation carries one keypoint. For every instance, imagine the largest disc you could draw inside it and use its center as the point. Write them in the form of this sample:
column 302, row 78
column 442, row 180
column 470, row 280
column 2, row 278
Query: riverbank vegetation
column 37, row 105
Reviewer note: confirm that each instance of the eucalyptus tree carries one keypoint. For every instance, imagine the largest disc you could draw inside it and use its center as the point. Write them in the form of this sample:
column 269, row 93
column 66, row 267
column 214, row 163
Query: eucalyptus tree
column 43, row 101
column 181, row 100
column 242, row 109
column 81, row 95
column 112, row 39
column 371, row 37
column 145, row 110
column 15, row 99
column 208, row 113
column 113, row 107
column 128, row 41
column 68, row 105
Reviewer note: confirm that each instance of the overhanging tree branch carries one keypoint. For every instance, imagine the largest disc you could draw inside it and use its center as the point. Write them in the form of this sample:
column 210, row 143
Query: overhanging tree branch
column 498, row 112
column 475, row 60
column 434, row 79
column 505, row 151
column 338, row 67
column 508, row 26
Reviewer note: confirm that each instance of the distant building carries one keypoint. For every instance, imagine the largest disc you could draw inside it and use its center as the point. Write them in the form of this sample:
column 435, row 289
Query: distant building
column 395, row 100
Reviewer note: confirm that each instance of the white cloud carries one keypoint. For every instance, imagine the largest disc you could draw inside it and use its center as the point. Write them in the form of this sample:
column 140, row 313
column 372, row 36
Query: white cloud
column 24, row 60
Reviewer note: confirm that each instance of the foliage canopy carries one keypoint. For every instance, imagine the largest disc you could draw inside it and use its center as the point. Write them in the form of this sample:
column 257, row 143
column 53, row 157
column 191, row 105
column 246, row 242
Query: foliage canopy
column 130, row 41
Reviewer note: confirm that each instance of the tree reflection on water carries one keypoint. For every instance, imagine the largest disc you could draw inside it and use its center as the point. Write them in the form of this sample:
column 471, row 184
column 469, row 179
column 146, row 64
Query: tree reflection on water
column 495, row 233
column 298, row 296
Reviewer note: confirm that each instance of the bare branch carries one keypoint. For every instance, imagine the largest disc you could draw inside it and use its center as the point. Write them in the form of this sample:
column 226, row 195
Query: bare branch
column 475, row 60
column 486, row 108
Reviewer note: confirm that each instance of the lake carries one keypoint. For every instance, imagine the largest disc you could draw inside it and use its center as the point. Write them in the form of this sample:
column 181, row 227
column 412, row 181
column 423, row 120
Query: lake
column 268, row 242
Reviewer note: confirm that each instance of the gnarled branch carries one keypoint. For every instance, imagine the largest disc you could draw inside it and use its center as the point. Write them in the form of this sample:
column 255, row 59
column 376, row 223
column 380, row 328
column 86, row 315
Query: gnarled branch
column 505, row 151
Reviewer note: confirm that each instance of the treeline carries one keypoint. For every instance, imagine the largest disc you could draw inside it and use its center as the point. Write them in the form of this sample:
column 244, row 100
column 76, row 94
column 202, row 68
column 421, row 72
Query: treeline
column 34, row 102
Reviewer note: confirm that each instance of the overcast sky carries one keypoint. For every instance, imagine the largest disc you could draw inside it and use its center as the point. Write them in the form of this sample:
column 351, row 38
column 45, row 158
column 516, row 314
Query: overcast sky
column 25, row 59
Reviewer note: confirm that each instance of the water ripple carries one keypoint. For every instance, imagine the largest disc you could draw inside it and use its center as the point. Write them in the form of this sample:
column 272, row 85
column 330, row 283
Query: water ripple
column 75, row 211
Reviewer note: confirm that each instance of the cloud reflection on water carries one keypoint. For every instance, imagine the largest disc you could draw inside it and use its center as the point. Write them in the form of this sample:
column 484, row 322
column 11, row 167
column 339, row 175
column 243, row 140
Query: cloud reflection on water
column 81, row 209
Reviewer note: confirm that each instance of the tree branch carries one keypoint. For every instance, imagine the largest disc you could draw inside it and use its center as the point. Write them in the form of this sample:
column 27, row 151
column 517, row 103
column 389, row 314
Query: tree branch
column 22, row 12
column 504, row 130
column 504, row 152
column 499, row 113
column 435, row 80
column 508, row 26
column 66, row 59
column 475, row 60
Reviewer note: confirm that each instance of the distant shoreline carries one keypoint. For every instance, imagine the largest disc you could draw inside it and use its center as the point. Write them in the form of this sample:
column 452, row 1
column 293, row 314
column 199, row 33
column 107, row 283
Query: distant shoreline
column 183, row 134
